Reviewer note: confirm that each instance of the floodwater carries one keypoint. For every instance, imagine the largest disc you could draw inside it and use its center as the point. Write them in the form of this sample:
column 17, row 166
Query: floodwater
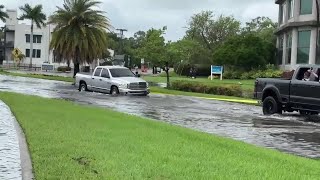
column 289, row 133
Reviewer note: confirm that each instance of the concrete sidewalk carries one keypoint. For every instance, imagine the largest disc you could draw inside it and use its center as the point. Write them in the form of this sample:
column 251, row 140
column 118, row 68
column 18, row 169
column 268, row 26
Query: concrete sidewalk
column 15, row 161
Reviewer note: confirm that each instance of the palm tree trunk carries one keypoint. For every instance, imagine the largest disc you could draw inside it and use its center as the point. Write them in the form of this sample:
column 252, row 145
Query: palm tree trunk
column 76, row 63
column 31, row 44
column 76, row 69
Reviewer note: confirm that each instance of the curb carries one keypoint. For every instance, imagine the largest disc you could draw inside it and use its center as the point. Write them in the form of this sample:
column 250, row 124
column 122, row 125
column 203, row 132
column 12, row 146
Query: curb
column 250, row 102
column 26, row 164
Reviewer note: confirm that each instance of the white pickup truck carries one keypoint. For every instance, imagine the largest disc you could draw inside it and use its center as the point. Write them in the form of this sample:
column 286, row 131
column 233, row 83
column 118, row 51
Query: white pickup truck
column 112, row 79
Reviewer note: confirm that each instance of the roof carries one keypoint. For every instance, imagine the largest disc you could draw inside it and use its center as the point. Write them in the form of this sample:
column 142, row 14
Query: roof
column 112, row 67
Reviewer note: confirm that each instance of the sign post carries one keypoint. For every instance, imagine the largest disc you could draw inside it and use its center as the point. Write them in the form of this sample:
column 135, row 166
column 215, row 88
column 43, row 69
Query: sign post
column 216, row 70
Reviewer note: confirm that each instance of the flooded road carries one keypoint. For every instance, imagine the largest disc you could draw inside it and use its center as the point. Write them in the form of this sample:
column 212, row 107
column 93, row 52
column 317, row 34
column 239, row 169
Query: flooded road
column 289, row 133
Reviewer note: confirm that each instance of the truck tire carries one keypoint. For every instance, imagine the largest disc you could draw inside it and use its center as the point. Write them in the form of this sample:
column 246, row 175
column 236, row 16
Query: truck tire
column 114, row 91
column 83, row 87
column 270, row 106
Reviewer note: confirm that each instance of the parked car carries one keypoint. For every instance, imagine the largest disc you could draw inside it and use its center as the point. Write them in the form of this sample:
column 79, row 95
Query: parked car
column 300, row 93
column 113, row 80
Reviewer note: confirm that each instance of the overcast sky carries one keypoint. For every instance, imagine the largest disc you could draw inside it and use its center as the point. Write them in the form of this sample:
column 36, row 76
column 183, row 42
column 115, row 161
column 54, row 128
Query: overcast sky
column 137, row 15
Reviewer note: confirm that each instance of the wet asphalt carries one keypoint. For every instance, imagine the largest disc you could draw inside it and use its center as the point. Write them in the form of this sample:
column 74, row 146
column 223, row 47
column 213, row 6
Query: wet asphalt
column 289, row 133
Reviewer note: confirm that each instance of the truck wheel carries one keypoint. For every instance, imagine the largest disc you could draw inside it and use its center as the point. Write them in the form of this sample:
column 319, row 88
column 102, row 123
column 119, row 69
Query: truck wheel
column 270, row 106
column 114, row 91
column 83, row 87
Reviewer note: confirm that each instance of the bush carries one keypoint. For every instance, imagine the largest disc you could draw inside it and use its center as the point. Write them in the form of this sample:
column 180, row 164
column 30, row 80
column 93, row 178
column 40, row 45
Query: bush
column 191, row 86
column 63, row 69
column 202, row 69
column 269, row 72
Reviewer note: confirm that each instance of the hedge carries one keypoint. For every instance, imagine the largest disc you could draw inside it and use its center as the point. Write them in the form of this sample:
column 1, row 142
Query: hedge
column 63, row 69
column 190, row 86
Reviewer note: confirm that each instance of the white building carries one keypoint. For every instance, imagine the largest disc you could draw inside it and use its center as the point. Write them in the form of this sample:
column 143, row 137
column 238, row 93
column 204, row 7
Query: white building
column 17, row 35
column 297, row 33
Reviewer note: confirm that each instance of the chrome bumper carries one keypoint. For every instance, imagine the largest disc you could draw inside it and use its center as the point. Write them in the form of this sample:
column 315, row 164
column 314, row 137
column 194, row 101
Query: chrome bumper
column 130, row 91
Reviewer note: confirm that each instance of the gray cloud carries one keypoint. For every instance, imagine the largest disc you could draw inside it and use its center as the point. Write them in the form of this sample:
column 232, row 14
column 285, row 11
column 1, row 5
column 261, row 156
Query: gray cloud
column 137, row 15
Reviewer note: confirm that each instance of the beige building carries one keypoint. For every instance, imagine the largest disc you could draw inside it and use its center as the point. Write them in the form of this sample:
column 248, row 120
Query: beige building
column 297, row 33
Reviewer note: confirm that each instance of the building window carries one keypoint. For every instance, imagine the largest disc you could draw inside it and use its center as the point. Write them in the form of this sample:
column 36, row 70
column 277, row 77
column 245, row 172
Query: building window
column 290, row 8
column 280, row 50
column 28, row 38
column 289, row 47
column 303, row 47
column 306, row 7
column 27, row 52
column 36, row 53
column 37, row 38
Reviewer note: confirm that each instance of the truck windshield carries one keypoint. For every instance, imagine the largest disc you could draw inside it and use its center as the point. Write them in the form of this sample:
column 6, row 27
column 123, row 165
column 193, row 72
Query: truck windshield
column 121, row 73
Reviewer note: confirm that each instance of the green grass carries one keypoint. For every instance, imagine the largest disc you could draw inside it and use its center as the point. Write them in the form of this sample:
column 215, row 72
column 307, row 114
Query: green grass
column 39, row 76
column 246, row 84
column 69, row 141
column 202, row 95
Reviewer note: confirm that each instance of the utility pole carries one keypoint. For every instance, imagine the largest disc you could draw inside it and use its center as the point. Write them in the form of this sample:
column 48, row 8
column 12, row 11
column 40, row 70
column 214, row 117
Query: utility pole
column 317, row 38
column 121, row 39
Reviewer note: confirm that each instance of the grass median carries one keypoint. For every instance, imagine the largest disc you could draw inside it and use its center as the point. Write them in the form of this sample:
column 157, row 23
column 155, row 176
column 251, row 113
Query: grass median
column 159, row 90
column 69, row 141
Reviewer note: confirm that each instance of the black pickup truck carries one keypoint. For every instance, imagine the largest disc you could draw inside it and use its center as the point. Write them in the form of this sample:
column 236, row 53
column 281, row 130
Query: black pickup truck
column 300, row 93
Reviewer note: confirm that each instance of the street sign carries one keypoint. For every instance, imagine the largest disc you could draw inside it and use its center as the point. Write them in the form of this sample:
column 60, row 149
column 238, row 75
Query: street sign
column 216, row 70
column 47, row 67
column 16, row 52
column 142, row 61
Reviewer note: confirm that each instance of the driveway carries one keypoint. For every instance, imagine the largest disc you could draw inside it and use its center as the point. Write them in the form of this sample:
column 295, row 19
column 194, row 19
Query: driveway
column 289, row 133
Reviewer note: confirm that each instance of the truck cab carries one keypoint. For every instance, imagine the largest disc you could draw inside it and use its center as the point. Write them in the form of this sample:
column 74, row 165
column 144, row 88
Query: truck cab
column 300, row 93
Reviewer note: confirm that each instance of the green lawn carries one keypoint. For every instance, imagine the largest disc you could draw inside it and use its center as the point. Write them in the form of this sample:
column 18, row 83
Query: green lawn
column 69, row 141
column 246, row 84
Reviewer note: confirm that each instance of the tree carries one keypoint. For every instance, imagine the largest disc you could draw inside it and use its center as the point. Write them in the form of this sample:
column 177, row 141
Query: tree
column 242, row 52
column 211, row 32
column 80, row 32
column 152, row 47
column 37, row 17
column 189, row 51
column 3, row 15
column 264, row 28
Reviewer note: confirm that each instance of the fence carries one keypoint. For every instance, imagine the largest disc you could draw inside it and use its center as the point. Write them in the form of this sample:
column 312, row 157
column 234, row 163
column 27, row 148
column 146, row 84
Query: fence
column 20, row 66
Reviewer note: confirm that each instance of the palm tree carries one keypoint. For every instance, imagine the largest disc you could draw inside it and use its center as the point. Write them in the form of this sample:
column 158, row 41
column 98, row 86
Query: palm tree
column 37, row 17
column 80, row 32
column 3, row 15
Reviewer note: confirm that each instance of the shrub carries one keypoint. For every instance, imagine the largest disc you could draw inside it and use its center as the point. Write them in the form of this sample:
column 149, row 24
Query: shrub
column 202, row 69
column 63, row 69
column 191, row 86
